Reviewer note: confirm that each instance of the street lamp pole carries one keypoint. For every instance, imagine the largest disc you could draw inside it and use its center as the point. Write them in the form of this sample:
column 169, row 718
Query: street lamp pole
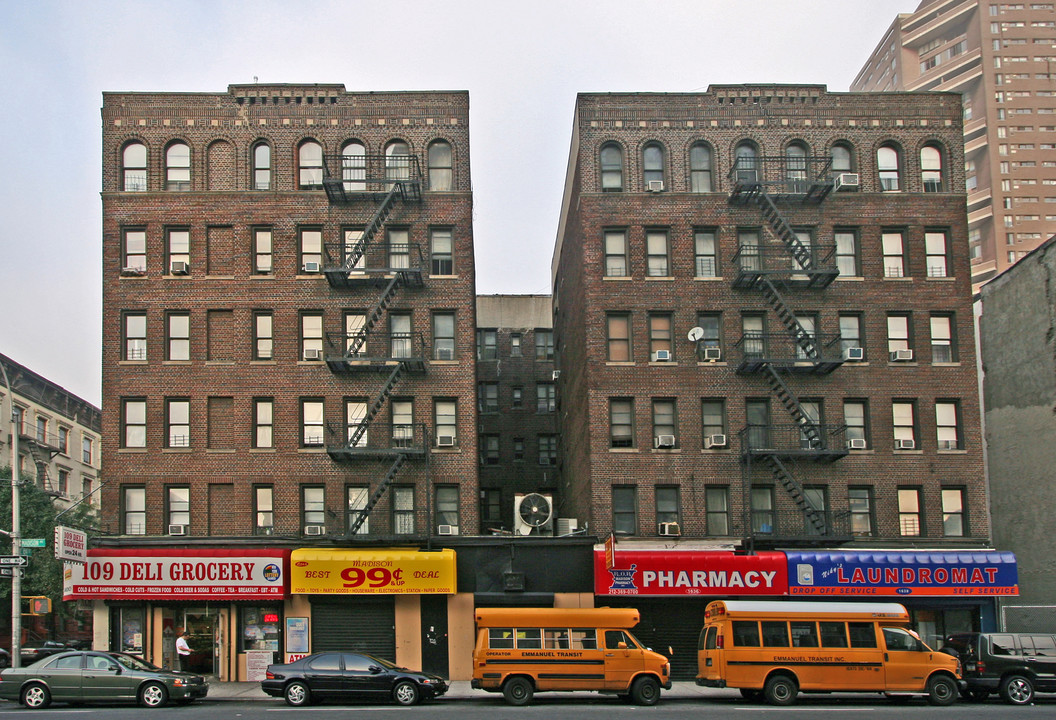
column 16, row 534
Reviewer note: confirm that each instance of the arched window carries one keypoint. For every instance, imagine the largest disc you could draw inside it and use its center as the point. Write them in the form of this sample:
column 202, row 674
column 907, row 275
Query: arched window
column 745, row 163
column 653, row 166
column 134, row 160
column 262, row 166
column 931, row 168
column 888, row 167
column 310, row 165
column 178, row 167
column 796, row 167
column 700, row 168
column 441, row 172
column 354, row 166
column 611, row 168
column 397, row 160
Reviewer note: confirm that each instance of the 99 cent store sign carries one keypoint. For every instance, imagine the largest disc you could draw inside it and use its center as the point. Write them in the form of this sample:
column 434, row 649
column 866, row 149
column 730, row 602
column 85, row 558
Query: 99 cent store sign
column 337, row 572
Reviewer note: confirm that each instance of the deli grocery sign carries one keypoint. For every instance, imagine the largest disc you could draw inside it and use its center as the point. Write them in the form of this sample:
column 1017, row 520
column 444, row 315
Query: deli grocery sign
column 199, row 574
column 70, row 545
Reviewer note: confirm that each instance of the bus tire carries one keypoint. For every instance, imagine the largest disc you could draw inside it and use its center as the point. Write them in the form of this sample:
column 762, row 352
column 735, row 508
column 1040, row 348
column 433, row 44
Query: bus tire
column 645, row 690
column 780, row 690
column 517, row 691
column 942, row 690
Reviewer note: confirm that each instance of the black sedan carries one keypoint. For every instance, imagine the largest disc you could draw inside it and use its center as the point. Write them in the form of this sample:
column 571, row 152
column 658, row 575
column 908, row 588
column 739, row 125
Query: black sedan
column 347, row 676
column 104, row 677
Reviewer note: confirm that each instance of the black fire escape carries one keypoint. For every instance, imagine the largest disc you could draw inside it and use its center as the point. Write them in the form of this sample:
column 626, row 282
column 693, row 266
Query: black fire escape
column 778, row 264
column 367, row 264
column 43, row 447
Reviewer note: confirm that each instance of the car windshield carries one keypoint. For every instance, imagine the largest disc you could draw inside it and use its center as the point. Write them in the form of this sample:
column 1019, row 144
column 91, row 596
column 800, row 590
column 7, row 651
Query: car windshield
column 134, row 663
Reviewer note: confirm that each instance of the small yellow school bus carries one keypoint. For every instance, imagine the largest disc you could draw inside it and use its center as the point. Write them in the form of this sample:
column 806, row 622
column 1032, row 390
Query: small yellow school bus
column 774, row 650
column 521, row 651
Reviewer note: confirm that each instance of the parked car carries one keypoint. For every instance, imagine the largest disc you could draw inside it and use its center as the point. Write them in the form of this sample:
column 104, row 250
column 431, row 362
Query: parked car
column 347, row 676
column 5, row 658
column 85, row 677
column 1014, row 665
column 30, row 655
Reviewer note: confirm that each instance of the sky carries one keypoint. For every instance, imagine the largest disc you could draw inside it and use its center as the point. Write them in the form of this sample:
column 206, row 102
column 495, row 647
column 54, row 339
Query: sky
column 522, row 62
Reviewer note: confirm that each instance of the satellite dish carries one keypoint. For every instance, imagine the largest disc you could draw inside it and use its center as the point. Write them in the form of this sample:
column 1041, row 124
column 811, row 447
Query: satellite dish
column 535, row 510
column 696, row 334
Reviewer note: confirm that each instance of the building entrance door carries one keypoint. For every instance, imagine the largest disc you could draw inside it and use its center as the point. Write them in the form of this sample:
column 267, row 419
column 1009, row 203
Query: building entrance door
column 202, row 626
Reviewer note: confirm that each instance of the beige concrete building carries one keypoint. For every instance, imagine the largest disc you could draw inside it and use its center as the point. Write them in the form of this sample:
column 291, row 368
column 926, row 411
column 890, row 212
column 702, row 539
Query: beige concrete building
column 1000, row 57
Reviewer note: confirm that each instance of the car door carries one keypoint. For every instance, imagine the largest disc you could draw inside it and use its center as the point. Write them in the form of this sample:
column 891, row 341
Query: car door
column 62, row 674
column 365, row 677
column 322, row 673
column 103, row 679
column 1041, row 659
column 906, row 660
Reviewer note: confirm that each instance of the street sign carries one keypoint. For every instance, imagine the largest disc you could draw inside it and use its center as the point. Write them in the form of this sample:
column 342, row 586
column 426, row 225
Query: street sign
column 33, row 542
column 19, row 560
column 9, row 572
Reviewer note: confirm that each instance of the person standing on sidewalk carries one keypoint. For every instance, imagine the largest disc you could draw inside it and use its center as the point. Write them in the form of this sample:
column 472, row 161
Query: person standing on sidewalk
column 183, row 650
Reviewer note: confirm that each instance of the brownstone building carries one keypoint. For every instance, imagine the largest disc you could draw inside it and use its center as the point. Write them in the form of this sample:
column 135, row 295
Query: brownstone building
column 763, row 323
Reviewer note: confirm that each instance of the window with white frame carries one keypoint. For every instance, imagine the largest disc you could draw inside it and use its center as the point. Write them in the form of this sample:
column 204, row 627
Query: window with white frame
column 134, row 510
column 177, row 423
column 898, row 331
column 706, row 253
column 892, row 242
column 263, row 422
column 134, row 423
column 134, row 165
column 311, row 242
column 402, row 422
column 178, row 329
column 311, row 336
column 903, row 420
column 87, row 449
column 135, row 336
column 178, row 250
column 656, row 248
column 616, row 253
column 936, row 247
column 135, row 251
column 312, row 420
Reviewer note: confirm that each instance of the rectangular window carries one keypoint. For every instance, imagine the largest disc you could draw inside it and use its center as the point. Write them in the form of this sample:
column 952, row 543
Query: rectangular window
column 544, row 344
column 356, row 432
column 313, row 506
column 399, row 248
column 667, row 505
column 135, row 336
column 356, row 500
column 909, row 514
column 548, row 450
column 706, row 253
column 262, row 258
column 661, row 347
column 515, row 345
column 545, row 398
column 353, row 254
column 656, row 249
column 64, row 440
column 894, row 254
column 311, row 243
column 851, row 340
column 311, row 422
column 616, row 253
column 518, row 449
column 748, row 250
column 403, row 510
column 847, row 253
column 619, row 337
column 488, row 397
column 717, row 502
column 762, row 508
column 943, row 349
column 311, row 336
column 491, row 508
column 855, row 417
column 134, row 423
column 624, row 510
column 178, row 251
column 64, row 482
column 898, row 336
column 402, row 422
column 489, row 449
column 709, row 346
column 621, row 422
column 936, row 248
column 87, row 449
column 178, row 503
column 441, row 250
column 447, row 505
column 262, row 335
column 953, row 518
column 445, row 414
column 860, row 500
column 713, row 422
column 818, row 497
column 263, row 510
column 178, row 423
column 665, row 426
column 178, row 330
column 903, row 415
column 400, row 335
column 134, row 510
column 487, row 344
column 516, row 397
column 443, row 336
column 753, row 336
column 135, row 252
column 947, row 424
column 263, row 423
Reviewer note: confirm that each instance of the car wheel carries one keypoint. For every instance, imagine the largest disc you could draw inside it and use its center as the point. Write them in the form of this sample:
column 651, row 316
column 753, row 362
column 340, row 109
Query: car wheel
column 976, row 694
column 36, row 696
column 942, row 690
column 518, row 691
column 1017, row 690
column 153, row 695
column 405, row 693
column 297, row 694
column 780, row 690
column 645, row 691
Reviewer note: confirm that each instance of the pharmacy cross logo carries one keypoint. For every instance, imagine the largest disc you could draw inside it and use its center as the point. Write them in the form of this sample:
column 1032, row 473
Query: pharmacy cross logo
column 623, row 579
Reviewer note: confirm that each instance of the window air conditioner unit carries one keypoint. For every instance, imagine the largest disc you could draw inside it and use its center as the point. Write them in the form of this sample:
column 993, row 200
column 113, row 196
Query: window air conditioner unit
column 905, row 444
column 311, row 267
column 177, row 529
column 669, row 529
column 445, row 353
column 663, row 356
column 664, row 441
column 902, row 355
column 948, row 445
column 856, row 444
column 313, row 354
column 854, row 354
column 656, row 186
column 314, row 530
column 712, row 354
column 178, row 267
column 445, row 440
column 555, row 375
column 846, row 182
column 447, row 530
column 715, row 441
column 133, row 271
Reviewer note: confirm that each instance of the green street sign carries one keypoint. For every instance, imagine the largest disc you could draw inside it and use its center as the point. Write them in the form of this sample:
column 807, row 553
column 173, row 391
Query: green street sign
column 33, row 542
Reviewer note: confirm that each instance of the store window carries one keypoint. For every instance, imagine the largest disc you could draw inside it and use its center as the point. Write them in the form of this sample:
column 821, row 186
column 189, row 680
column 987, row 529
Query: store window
column 260, row 628
column 126, row 629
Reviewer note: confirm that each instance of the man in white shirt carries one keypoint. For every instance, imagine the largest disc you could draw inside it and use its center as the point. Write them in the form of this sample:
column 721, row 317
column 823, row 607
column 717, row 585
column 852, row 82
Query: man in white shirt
column 183, row 650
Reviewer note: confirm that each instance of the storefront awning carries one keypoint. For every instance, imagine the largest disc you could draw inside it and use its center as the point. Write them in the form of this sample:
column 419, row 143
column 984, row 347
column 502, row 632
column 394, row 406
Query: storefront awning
column 902, row 573
column 366, row 572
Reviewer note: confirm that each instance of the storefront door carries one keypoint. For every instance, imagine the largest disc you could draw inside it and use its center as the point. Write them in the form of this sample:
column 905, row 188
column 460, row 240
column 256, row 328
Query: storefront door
column 202, row 625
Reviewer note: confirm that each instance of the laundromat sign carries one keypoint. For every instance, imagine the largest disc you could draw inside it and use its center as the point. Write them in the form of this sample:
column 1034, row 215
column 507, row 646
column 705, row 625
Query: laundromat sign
column 197, row 574
column 367, row 572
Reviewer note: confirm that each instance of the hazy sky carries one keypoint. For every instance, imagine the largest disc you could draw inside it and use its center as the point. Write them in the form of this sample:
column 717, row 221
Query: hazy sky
column 522, row 63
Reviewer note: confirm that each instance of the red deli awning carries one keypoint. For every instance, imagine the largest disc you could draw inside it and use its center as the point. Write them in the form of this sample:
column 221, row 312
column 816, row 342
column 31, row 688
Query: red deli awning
column 179, row 574
column 690, row 573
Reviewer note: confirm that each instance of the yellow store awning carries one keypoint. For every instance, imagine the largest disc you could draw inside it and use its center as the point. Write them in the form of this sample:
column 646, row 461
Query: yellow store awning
column 316, row 571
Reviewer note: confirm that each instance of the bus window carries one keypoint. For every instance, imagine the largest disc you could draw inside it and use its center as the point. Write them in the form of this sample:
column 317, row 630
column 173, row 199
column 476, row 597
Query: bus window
column 745, row 633
column 584, row 639
column 899, row 639
column 775, row 633
column 501, row 638
column 530, row 638
column 709, row 641
column 555, row 639
column 833, row 634
column 804, row 634
column 863, row 634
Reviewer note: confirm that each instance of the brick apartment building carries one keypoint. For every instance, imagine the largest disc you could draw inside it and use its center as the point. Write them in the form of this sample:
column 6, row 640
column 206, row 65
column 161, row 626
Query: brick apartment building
column 764, row 332
column 999, row 56
column 288, row 359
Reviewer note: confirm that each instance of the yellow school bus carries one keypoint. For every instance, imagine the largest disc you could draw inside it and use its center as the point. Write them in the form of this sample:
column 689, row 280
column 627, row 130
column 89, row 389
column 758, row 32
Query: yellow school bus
column 773, row 650
column 521, row 651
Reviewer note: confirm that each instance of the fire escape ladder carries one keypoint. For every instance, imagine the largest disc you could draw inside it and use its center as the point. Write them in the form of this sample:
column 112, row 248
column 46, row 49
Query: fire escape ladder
column 364, row 513
column 783, row 229
column 375, row 405
column 381, row 214
column 787, row 480
column 374, row 316
column 782, row 392
column 804, row 340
